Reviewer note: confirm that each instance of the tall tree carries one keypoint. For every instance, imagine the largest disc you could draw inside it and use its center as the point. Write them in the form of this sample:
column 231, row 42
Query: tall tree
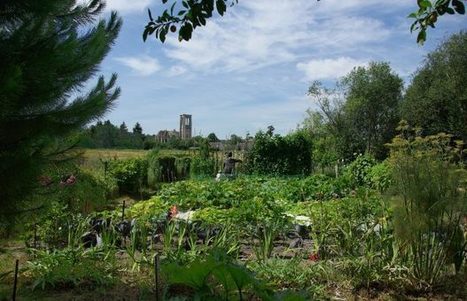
column 123, row 128
column 212, row 137
column 361, row 113
column 137, row 129
column 48, row 50
column 324, row 146
column 436, row 99
column 373, row 94
column 328, row 126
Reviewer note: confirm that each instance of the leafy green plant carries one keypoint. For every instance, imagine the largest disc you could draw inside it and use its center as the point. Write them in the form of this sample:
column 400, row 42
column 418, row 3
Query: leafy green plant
column 203, row 165
column 215, row 277
column 72, row 268
column 359, row 170
column 294, row 274
column 131, row 174
column 380, row 176
column 265, row 235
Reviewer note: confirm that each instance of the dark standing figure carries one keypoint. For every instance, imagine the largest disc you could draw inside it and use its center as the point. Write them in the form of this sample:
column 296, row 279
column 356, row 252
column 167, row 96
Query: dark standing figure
column 229, row 164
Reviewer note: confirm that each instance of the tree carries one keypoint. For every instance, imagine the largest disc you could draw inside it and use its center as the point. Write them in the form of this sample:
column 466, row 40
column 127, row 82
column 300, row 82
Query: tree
column 234, row 141
column 324, row 146
column 123, row 128
column 361, row 113
column 194, row 13
column 212, row 137
column 46, row 56
column 137, row 129
column 328, row 126
column 270, row 130
column 373, row 94
column 436, row 99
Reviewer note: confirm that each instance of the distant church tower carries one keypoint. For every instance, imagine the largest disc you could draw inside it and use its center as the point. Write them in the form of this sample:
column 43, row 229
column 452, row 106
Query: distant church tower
column 185, row 126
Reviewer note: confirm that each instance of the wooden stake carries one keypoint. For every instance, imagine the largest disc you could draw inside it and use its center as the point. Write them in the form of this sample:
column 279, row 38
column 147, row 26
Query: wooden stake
column 35, row 236
column 123, row 211
column 15, row 284
column 156, row 275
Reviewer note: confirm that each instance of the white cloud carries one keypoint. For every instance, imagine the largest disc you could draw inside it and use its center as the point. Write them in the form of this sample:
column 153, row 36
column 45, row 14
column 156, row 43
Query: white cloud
column 128, row 6
column 143, row 65
column 261, row 33
column 331, row 69
column 176, row 70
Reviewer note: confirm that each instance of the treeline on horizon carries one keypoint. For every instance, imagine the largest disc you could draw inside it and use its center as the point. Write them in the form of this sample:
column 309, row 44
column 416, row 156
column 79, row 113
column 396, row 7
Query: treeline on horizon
column 109, row 136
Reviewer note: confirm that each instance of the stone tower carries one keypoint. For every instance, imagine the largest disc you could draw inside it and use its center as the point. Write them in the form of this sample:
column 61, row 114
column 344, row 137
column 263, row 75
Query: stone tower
column 185, row 126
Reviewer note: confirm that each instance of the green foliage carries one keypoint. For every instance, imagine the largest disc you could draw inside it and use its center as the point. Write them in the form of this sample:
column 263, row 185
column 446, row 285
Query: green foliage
column 212, row 137
column 166, row 168
column 48, row 50
column 359, row 171
column 436, row 98
column 293, row 274
column 215, row 277
column 430, row 203
column 131, row 174
column 202, row 165
column 380, row 176
column 324, row 147
column 195, row 13
column 428, row 13
column 277, row 155
column 107, row 135
column 192, row 15
column 358, row 116
column 371, row 108
column 69, row 268
column 251, row 194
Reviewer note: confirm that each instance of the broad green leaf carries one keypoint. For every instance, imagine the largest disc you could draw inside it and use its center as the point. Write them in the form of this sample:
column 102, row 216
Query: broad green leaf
column 424, row 4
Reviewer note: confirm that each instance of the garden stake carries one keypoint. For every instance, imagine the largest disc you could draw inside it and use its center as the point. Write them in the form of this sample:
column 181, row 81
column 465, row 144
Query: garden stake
column 156, row 273
column 35, row 236
column 123, row 211
column 16, row 280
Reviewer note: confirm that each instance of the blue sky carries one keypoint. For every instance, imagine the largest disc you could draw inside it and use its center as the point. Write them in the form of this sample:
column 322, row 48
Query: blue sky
column 252, row 68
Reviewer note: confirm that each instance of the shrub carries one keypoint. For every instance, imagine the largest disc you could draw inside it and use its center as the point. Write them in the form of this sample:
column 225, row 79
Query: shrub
column 359, row 170
column 131, row 174
column 202, row 165
column 166, row 168
column 277, row 155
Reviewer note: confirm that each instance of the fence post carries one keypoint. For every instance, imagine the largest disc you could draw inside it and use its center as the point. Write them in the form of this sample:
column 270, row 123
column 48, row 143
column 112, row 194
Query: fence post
column 156, row 275
column 15, row 283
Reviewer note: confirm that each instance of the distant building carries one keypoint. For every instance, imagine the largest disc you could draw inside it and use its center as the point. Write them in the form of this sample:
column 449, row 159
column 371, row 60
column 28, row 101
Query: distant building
column 185, row 126
column 165, row 135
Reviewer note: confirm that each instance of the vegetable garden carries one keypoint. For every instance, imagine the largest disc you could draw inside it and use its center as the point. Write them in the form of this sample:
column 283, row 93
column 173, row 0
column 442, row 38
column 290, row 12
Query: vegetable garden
column 263, row 238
